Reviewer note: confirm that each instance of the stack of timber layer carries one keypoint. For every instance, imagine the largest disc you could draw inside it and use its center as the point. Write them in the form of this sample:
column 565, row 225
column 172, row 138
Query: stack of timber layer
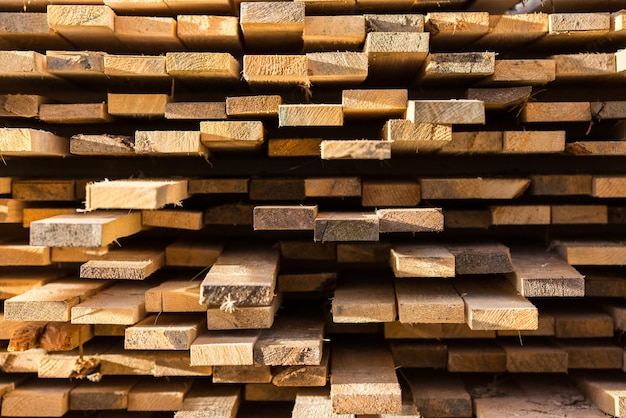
column 312, row 208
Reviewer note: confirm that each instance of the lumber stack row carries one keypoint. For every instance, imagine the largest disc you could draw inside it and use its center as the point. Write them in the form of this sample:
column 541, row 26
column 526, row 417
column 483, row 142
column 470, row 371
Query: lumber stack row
column 337, row 208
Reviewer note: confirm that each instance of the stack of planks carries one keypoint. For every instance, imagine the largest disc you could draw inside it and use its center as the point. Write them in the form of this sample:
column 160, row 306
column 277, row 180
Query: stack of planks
column 312, row 208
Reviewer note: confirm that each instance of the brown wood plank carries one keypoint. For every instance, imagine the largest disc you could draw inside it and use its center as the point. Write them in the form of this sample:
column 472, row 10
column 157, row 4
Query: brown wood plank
column 362, row 300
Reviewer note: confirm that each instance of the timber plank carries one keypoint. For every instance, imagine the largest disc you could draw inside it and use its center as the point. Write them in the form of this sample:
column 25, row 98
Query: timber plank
column 135, row 194
column 291, row 341
column 363, row 300
column 165, row 332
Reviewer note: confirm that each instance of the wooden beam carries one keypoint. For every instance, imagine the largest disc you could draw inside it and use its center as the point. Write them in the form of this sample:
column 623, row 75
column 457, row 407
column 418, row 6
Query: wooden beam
column 364, row 300
column 332, row 187
column 217, row 400
column 579, row 214
column 74, row 113
column 590, row 354
column 481, row 258
column 412, row 138
column 593, row 253
column 439, row 394
column 455, row 67
column 414, row 260
column 110, row 393
column 337, row 67
column 27, row 142
column 16, row 282
column 195, row 110
column 561, row 185
column 24, row 255
column 137, row 105
column 184, row 143
column 363, row 380
column 580, row 67
column 304, row 376
column 253, row 106
column 147, row 34
column 264, row 70
column 270, row 25
column 360, row 149
column 232, row 135
column 20, row 105
column 535, row 356
column 218, row 67
column 476, row 357
column 165, row 332
column 405, row 22
column 583, row 322
column 410, row 220
column 607, row 186
column 103, row 144
column 327, row 33
column 174, row 295
column 208, row 32
column 256, row 373
column 291, row 341
column 429, row 301
column 173, row 218
column 532, row 142
column 599, row 148
column 87, row 26
column 285, row 217
column 366, row 103
column 344, row 226
column 390, row 193
column 473, row 188
column 523, row 71
column 120, row 304
column 135, row 194
column 606, row 390
column 158, row 394
column 404, row 51
column 501, row 98
column 243, row 276
column 192, row 253
column 63, row 336
column 310, row 115
column 224, row 348
column 520, row 215
column 42, row 397
column 456, row 28
column 429, row 354
column 556, row 112
column 480, row 142
column 446, row 111
column 244, row 317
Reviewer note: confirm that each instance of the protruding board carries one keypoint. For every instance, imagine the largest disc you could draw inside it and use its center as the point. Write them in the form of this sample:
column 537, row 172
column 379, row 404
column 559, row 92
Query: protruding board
column 164, row 332
column 138, row 68
column 455, row 67
column 315, row 403
column 538, row 273
column 363, row 380
column 598, row 148
column 533, row 142
column 606, row 390
column 574, row 29
column 243, row 317
column 224, row 348
column 446, row 111
column 158, row 394
column 473, row 188
column 137, row 105
column 291, row 341
column 84, row 229
column 39, row 397
column 310, row 115
column 207, row 32
column 390, row 193
column 110, row 393
column 174, row 295
column 24, row 255
column 405, row 22
column 416, row 260
column 584, row 67
column 492, row 304
column 411, row 138
column 454, row 29
column 82, row 66
column 272, row 25
column 410, row 220
column 403, row 51
column 243, row 276
column 121, row 304
column 104, row 144
column 27, row 142
column 147, row 34
column 535, row 356
column 52, row 301
column 211, row 401
column 481, row 258
column 74, row 113
column 275, row 70
column 361, row 300
column 346, row 226
column 593, row 253
column 476, row 357
column 427, row 301
column 285, row 217
column 337, row 67
column 261, row 106
column 125, row 264
column 439, row 394
column 173, row 218
column 333, row 33
column 216, row 67
column 13, row 283
column 556, row 112
column 507, row 30
column 304, row 376
column 86, row 26
column 195, row 110
column 383, row 103
column 232, row 135
column 191, row 253
column 360, row 149
column 135, row 194
column 184, row 143
column 608, row 186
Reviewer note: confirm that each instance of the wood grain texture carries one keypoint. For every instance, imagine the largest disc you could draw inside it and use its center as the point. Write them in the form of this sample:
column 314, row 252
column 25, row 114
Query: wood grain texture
column 290, row 341
column 428, row 301
column 224, row 348
column 359, row 300
column 390, row 193
column 244, row 317
column 337, row 67
column 120, row 304
column 446, row 111
column 360, row 149
column 440, row 394
column 46, row 398
column 410, row 220
column 165, row 332
column 414, row 260
column 346, row 226
column 135, row 194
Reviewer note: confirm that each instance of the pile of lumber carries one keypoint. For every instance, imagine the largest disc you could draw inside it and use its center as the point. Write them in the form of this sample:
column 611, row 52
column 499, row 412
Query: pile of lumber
column 312, row 208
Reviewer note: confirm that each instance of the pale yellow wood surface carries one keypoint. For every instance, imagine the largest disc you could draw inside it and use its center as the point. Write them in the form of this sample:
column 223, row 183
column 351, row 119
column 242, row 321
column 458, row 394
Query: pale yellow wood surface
column 540, row 356
column 360, row 149
column 74, row 113
column 210, row 66
column 337, row 67
column 147, row 34
column 456, row 28
column 500, row 98
column 530, row 142
column 224, row 348
column 310, row 115
column 209, row 32
column 524, row 71
column 607, row 186
column 232, row 135
column 410, row 220
column 165, row 332
column 138, row 105
column 304, row 376
column 327, row 33
column 606, row 390
column 579, row 214
column 415, row 260
column 453, row 67
column 195, row 110
column 135, row 194
column 77, row 254
column 407, row 137
column 158, row 394
column 404, row 51
column 38, row 397
column 135, row 67
column 405, row 22
column 346, row 226
column 360, row 300
column 292, row 340
column 104, row 144
column 212, row 401
column 275, row 69
column 32, row 142
column 253, row 106
column 20, row 105
column 589, row 252
column 446, row 111
column 257, row 373
column 13, row 283
column 556, row 112
column 120, row 304
column 173, row 218
column 183, row 143
column 89, row 26
column 272, row 25
column 428, row 301
column 374, row 102
column 244, row 317
column 174, row 295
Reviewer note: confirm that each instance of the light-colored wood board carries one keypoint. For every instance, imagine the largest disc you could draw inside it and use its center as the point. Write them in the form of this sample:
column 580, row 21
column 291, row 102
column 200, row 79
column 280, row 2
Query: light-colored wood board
column 164, row 332
column 599, row 148
column 544, row 329
column 326, row 33
column 363, row 380
column 412, row 138
column 374, row 102
column 124, row 264
column 52, row 301
column 332, row 187
column 218, row 186
column 20, row 105
column 429, row 301
column 120, row 304
column 523, row 71
column 253, row 106
column 404, row 51
column 390, row 193
column 598, row 253
column 12, row 210
column 63, row 336
column 291, row 341
column 135, row 67
column 337, row 67
column 217, row 401
column 47, row 398
column 103, row 144
column 328, row 6
column 25, row 142
column 535, row 356
column 584, row 66
column 473, row 188
column 511, row 29
column 600, row 283
column 210, row 66
column 500, row 98
column 224, row 348
column 360, row 149
column 192, row 253
column 539, row 273
column 184, row 143
column 310, row 115
column 174, row 295
column 418, row 260
column 195, row 110
column 77, row 254
column 244, row 317
column 446, row 111
column 579, row 214
column 232, row 135
column 362, row 300
column 520, row 215
column 173, row 218
column 80, row 66
column 243, row 276
column 21, row 361
column 304, row 376
column 209, row 32
column 87, row 26
column 481, row 257
column 135, row 194
column 410, row 220
column 451, row 67
column 346, row 226
column 259, row 70
column 532, row 142
column 439, row 394
column 24, row 335
column 158, row 394
column 556, row 112
column 607, row 186
column 23, row 64
column 480, row 142
column 148, row 34
column 605, row 390
column 285, row 217
column 456, row 28
column 279, row 24
column 492, row 304
column 405, row 22
column 22, row 31
column 315, row 403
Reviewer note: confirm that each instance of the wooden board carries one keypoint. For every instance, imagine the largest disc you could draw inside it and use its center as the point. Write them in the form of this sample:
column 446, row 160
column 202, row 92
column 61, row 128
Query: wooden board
column 50, row 302
column 185, row 143
column 428, row 301
column 456, row 28
column 523, row 71
column 556, row 112
column 204, row 32
column 326, row 33
column 253, row 106
column 13, row 283
column 260, row 70
column 218, row 186
column 606, row 390
column 535, row 356
column 410, row 220
column 244, row 317
column 137, row 105
column 363, row 380
column 494, row 304
column 415, row 260
column 216, row 67
column 173, row 218
column 346, row 226
column 480, row 142
column 192, row 253
column 332, row 187
column 532, row 142
column 584, row 66
column 164, row 332
column 310, row 115
column 446, row 111
column 120, row 304
column 24, row 255
column 604, row 148
column 599, row 253
column 404, row 51
column 607, row 186
column 337, row 67
column 109, row 393
column 224, row 348
column 25, row 142
column 257, row 373
column 500, row 98
column 147, row 34
column 481, row 258
column 88, row 26
column 124, row 264
column 363, row 252
column 405, row 22
column 232, row 135
column 439, row 394
column 135, row 194
column 104, row 144
column 279, row 25
column 537, row 273
column 285, row 217
column 304, row 376
column 362, row 300
column 560, row 185
column 579, row 214
column 74, row 113
column 195, row 110
column 473, row 188
column 307, row 282
column 430, row 354
column 47, row 398
column 592, row 354
column 583, row 322
column 411, row 138
column 158, row 394
column 520, row 215
column 476, row 357
column 243, row 276
column 360, row 149
column 455, row 67
column 219, row 401
column 364, row 103
column 174, row 295
column 400, row 192
column 292, row 340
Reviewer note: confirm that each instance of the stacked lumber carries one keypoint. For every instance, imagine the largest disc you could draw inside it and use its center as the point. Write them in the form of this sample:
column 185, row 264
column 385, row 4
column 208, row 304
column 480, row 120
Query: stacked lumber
column 333, row 208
